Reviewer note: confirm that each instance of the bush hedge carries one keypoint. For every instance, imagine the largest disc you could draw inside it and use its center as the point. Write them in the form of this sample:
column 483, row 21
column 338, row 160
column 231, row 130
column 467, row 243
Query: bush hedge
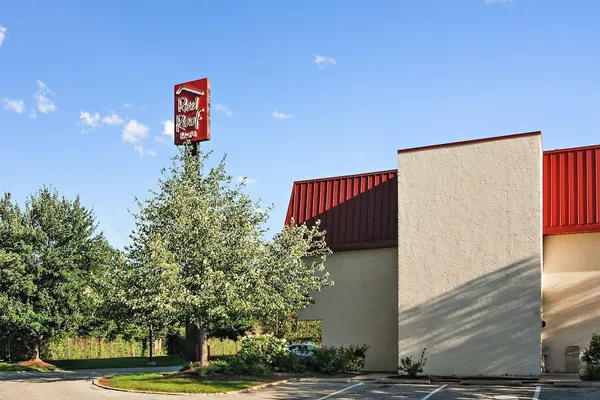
column 260, row 355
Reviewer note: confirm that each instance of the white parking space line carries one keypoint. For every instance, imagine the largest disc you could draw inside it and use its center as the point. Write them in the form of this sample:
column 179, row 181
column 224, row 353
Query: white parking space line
column 503, row 397
column 340, row 391
column 434, row 392
column 536, row 395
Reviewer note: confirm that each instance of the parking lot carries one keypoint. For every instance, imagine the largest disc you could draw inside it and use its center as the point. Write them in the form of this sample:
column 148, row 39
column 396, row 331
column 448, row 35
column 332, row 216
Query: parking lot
column 368, row 390
column 78, row 386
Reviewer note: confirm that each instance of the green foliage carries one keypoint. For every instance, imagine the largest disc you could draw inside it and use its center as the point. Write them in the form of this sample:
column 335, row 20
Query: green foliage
column 412, row 368
column 591, row 357
column 262, row 348
column 51, row 260
column 199, row 253
column 336, row 360
column 91, row 347
column 290, row 362
column 590, row 372
column 294, row 330
column 215, row 367
column 249, row 365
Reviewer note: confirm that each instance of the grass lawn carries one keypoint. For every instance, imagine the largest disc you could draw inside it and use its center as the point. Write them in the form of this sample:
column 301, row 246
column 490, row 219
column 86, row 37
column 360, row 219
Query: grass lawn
column 159, row 383
column 9, row 367
column 125, row 362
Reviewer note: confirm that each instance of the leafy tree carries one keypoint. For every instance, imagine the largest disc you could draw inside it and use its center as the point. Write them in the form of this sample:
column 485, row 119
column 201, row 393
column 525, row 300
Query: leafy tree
column 144, row 288
column 50, row 258
column 226, row 270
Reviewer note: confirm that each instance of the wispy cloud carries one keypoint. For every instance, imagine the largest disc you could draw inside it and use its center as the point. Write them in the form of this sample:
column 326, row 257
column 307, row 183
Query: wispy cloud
column 32, row 113
column 490, row 2
column 168, row 128
column 134, row 132
column 129, row 105
column 88, row 120
column 323, row 62
column 144, row 152
column 246, row 180
column 41, row 96
column 112, row 119
column 17, row 106
column 280, row 115
column 2, row 34
column 223, row 109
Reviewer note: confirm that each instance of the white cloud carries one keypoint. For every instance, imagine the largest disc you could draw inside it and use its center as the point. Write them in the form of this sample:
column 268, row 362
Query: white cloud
column 134, row 132
column 142, row 152
column 161, row 139
column 2, row 34
column 88, row 119
column 127, row 105
column 17, row 106
column 223, row 109
column 489, row 2
column 112, row 119
column 44, row 104
column 280, row 115
column 32, row 113
column 168, row 127
column 323, row 62
column 246, row 180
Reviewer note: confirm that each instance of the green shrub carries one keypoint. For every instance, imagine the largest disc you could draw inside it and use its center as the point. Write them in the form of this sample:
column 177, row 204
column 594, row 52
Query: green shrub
column 290, row 362
column 336, row 360
column 591, row 372
column 249, row 365
column 412, row 368
column 591, row 357
column 190, row 365
column 215, row 367
column 263, row 349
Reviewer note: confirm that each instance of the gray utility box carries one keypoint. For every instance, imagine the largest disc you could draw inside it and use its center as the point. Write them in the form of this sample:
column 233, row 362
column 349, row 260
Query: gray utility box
column 572, row 354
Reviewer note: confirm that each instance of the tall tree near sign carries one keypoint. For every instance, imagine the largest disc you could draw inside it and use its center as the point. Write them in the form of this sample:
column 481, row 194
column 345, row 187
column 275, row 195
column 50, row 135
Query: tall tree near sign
column 212, row 231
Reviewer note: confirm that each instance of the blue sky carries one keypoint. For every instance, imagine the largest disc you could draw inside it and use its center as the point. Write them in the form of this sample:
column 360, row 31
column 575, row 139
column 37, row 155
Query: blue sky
column 350, row 82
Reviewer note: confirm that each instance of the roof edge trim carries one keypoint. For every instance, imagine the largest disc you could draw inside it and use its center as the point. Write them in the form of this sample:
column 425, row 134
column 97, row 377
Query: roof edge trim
column 468, row 142
column 387, row 171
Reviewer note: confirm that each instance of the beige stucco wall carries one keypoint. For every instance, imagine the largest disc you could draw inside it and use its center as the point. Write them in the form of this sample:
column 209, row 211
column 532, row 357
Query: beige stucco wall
column 571, row 294
column 469, row 257
column 361, row 306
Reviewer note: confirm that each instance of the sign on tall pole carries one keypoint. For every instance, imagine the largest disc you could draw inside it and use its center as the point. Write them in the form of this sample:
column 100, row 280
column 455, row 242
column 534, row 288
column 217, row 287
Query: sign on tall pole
column 192, row 125
column 192, row 111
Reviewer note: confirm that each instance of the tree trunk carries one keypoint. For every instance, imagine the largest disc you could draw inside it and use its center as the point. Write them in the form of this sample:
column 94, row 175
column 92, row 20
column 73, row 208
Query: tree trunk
column 36, row 351
column 151, row 342
column 203, row 346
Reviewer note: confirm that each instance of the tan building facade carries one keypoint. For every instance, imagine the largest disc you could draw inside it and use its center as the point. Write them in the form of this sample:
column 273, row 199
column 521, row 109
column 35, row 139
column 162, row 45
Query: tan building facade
column 470, row 256
column 464, row 250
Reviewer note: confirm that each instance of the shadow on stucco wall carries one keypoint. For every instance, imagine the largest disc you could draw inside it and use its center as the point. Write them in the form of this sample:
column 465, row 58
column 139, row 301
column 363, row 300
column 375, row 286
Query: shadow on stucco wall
column 572, row 314
column 488, row 326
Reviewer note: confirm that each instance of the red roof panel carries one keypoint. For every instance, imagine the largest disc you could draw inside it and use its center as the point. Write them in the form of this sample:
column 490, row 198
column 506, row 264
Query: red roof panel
column 571, row 191
column 361, row 211
column 357, row 211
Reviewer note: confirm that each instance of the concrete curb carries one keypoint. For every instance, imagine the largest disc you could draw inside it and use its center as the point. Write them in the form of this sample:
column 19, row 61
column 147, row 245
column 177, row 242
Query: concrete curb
column 583, row 384
column 404, row 381
column 247, row 390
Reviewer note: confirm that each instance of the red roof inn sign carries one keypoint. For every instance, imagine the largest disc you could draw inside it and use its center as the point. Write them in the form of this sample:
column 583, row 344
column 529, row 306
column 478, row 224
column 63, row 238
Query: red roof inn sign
column 192, row 111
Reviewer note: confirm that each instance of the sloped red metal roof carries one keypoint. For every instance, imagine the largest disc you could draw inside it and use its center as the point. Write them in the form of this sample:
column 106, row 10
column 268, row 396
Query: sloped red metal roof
column 571, row 192
column 361, row 211
column 357, row 211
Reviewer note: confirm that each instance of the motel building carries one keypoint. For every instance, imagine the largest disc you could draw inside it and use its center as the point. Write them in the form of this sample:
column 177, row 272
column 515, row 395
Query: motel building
column 464, row 250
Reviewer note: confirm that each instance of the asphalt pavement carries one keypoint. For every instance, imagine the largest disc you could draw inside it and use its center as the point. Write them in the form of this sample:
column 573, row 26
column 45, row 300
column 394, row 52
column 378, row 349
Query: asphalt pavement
column 77, row 385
